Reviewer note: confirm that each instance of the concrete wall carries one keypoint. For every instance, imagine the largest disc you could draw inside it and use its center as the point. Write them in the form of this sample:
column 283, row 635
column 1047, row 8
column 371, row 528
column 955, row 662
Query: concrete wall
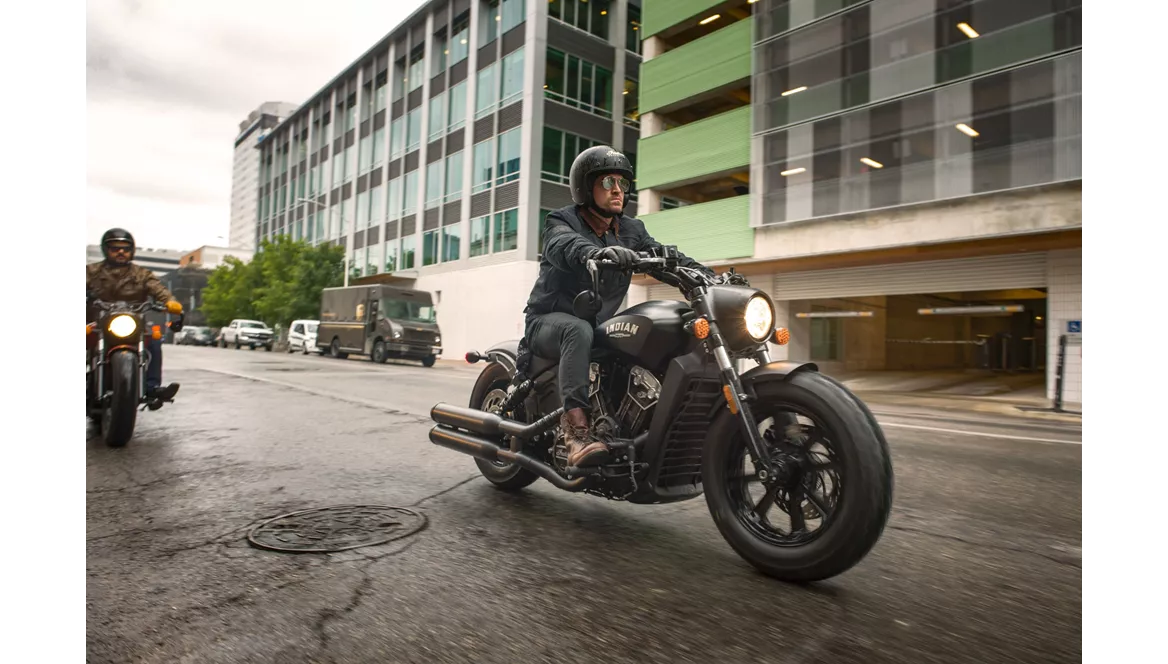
column 480, row 307
column 1064, row 303
column 1052, row 208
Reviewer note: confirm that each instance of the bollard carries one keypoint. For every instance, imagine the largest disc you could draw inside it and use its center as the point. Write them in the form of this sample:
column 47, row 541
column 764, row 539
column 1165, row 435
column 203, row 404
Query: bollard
column 1058, row 376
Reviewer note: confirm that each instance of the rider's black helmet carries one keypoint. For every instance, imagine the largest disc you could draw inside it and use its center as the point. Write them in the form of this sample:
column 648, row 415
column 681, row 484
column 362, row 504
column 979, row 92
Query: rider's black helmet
column 591, row 163
column 117, row 235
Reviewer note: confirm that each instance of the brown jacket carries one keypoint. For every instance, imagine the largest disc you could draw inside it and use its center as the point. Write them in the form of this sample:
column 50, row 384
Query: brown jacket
column 129, row 283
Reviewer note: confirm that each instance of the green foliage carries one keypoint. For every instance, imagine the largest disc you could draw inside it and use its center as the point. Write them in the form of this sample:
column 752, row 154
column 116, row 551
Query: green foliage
column 281, row 283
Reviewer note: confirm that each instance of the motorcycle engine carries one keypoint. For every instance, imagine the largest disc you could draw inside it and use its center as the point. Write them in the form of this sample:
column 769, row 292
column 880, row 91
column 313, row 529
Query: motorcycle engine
column 642, row 394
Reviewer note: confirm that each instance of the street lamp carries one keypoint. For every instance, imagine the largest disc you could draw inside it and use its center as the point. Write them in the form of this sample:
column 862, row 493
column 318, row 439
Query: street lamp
column 348, row 240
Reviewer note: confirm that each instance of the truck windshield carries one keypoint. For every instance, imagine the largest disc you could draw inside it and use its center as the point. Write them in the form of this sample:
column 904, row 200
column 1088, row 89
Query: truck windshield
column 411, row 311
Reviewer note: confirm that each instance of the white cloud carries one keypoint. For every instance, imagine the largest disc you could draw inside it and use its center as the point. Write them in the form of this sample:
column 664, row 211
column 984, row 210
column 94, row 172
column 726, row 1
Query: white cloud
column 167, row 84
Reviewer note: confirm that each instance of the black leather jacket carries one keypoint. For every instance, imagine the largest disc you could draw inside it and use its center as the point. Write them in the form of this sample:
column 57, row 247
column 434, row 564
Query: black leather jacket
column 568, row 240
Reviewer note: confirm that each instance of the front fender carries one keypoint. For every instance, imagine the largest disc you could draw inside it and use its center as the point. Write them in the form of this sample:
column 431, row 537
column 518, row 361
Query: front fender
column 772, row 371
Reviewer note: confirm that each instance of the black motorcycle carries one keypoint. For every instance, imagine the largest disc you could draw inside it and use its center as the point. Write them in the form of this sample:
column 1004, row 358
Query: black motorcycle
column 795, row 469
column 115, row 367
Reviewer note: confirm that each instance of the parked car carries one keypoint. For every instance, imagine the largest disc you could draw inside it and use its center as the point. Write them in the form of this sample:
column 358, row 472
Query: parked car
column 302, row 336
column 194, row 336
column 242, row 332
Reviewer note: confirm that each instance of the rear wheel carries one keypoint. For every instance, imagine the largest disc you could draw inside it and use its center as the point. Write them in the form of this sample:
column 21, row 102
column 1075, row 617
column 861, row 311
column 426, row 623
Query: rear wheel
column 117, row 422
column 335, row 349
column 489, row 392
column 825, row 502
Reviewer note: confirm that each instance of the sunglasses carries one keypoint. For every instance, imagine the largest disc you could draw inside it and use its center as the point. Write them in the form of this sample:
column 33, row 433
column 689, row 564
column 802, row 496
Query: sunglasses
column 119, row 250
column 610, row 181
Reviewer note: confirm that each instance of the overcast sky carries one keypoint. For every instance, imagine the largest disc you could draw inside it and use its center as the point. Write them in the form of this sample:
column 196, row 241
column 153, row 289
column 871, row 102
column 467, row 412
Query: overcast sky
column 168, row 82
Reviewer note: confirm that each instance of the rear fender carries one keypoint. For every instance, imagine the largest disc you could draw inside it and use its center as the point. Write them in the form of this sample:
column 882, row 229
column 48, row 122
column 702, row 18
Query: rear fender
column 505, row 353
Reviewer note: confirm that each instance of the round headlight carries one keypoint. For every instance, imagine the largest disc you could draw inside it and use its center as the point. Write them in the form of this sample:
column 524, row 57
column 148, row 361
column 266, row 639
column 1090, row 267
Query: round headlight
column 123, row 326
column 759, row 318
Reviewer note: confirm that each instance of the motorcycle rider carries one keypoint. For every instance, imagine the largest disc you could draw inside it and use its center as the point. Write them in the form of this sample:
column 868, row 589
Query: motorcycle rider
column 117, row 279
column 594, row 227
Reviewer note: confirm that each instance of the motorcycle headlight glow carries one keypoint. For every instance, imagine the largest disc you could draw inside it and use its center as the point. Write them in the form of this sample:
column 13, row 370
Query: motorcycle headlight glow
column 123, row 326
column 759, row 318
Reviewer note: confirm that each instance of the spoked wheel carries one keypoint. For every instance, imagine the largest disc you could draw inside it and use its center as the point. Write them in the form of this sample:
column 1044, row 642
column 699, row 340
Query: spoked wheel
column 823, row 503
column 506, row 476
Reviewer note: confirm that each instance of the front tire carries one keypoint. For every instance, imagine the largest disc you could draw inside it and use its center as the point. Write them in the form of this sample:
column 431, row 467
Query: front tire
column 490, row 389
column 847, row 488
column 429, row 361
column 379, row 354
column 117, row 422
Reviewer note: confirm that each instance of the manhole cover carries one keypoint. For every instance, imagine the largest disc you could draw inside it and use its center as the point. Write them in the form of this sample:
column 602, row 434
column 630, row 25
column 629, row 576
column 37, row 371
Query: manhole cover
column 340, row 528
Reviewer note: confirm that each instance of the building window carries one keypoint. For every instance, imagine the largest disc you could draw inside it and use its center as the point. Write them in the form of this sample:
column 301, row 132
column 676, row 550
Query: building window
column 460, row 42
column 437, row 116
column 632, row 104
column 457, row 115
column 378, row 147
column 440, row 50
column 451, row 242
column 453, row 177
column 393, row 202
column 633, row 30
column 559, row 151
column 320, row 226
column 578, row 83
column 481, row 173
column 487, row 91
column 391, row 256
column 413, row 129
column 506, row 230
column 362, row 212
column 396, row 143
column 489, row 19
column 513, row 11
column 992, row 133
column 430, row 247
column 409, row 246
column 381, row 91
column 480, row 236
column 375, row 213
column 591, row 17
column 512, row 77
column 371, row 260
column 410, row 193
column 510, row 145
column 366, row 101
column 433, row 184
column 415, row 77
column 365, row 154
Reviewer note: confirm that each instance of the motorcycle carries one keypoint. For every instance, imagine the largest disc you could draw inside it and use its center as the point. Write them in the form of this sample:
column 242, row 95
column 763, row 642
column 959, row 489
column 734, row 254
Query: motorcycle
column 115, row 367
column 794, row 468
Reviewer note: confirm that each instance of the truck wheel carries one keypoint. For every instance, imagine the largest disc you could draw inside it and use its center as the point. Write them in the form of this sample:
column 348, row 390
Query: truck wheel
column 379, row 355
column 335, row 350
column 429, row 361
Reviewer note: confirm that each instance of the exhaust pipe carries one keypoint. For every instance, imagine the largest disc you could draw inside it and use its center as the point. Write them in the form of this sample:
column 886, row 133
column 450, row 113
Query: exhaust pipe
column 489, row 424
column 488, row 451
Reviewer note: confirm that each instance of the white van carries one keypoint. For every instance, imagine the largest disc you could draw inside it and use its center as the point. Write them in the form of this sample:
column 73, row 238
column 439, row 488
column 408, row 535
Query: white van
column 302, row 336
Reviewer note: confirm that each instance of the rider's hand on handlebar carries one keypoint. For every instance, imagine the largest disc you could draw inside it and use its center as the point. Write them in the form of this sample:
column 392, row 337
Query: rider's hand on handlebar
column 174, row 307
column 622, row 256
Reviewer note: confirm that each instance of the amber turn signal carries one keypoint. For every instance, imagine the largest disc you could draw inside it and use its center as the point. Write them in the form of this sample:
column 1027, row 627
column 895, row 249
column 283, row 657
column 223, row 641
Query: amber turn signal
column 782, row 336
column 156, row 331
column 89, row 328
column 730, row 403
column 701, row 328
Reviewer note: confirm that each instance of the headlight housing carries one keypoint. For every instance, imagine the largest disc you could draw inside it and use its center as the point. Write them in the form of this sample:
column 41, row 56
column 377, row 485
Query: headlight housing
column 759, row 318
column 745, row 315
column 122, row 326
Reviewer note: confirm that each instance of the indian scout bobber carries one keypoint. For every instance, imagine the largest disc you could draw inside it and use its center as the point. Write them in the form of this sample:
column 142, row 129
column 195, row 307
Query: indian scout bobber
column 115, row 367
column 795, row 470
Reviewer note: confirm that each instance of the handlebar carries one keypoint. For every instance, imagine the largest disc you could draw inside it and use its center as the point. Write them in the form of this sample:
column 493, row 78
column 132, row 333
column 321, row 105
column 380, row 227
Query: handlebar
column 667, row 270
column 142, row 307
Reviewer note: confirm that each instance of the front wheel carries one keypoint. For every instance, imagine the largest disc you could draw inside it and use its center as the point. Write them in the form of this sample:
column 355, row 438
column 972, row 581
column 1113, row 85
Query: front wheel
column 429, row 361
column 117, row 421
column 379, row 354
column 490, row 390
column 824, row 503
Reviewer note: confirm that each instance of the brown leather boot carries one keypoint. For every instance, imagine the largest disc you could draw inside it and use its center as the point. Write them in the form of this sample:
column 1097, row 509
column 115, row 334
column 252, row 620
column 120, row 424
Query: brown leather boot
column 583, row 448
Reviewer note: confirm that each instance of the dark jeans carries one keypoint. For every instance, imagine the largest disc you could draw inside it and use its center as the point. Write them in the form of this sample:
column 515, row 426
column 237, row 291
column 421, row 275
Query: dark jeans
column 154, row 369
column 564, row 336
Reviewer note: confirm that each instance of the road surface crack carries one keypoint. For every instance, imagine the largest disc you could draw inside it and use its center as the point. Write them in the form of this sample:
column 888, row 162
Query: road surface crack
column 445, row 491
column 987, row 545
column 139, row 486
column 320, row 627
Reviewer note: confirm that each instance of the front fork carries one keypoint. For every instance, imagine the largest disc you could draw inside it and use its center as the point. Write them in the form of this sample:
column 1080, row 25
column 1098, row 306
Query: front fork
column 737, row 398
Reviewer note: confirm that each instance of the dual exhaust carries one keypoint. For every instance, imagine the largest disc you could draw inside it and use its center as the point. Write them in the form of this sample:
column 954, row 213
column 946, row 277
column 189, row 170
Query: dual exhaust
column 479, row 423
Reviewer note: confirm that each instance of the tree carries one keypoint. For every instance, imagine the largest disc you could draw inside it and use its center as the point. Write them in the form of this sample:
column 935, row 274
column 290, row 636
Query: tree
column 282, row 282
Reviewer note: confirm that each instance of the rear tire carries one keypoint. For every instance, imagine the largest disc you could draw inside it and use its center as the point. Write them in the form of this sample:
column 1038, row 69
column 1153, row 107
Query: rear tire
column 862, row 465
column 508, row 477
column 335, row 350
column 117, row 422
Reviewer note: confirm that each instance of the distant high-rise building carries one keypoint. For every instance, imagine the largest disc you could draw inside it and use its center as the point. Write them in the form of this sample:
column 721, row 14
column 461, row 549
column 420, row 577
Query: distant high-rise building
column 245, row 170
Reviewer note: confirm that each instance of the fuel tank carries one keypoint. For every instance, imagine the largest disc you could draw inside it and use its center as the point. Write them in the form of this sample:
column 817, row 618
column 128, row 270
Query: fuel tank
column 649, row 334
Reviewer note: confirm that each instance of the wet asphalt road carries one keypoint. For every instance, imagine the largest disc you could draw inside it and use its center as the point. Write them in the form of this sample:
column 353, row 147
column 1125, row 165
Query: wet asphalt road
column 981, row 560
